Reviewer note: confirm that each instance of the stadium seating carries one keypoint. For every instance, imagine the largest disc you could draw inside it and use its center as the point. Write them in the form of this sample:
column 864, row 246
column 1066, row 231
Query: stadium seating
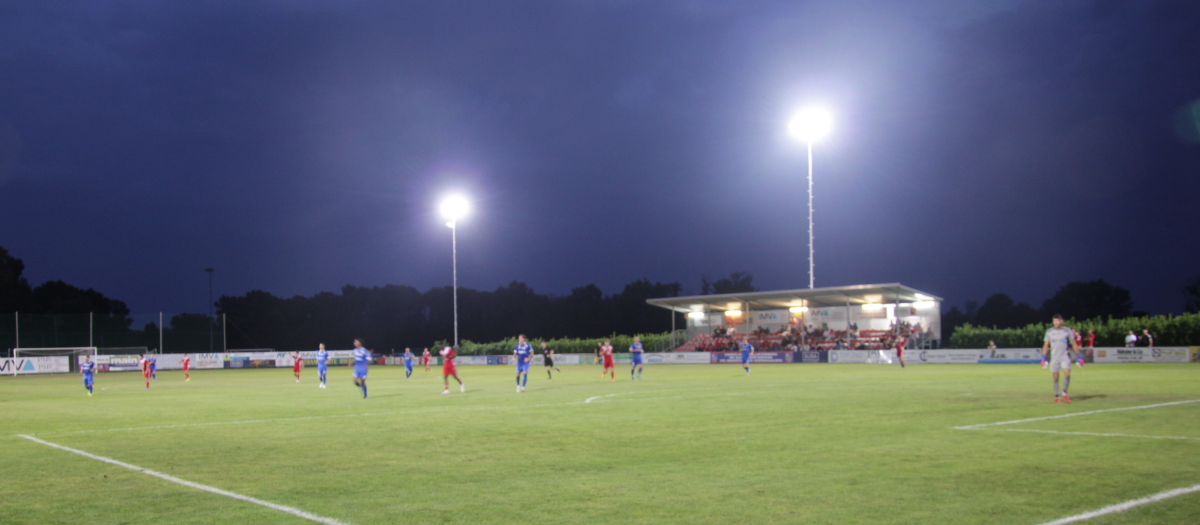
column 871, row 339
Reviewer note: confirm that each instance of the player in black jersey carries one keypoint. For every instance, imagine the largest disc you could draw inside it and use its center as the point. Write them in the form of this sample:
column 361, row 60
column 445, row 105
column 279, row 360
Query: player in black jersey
column 548, row 359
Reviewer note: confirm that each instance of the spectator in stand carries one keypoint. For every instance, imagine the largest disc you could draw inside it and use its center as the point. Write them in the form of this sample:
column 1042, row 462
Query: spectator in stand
column 1149, row 338
column 1131, row 339
column 991, row 345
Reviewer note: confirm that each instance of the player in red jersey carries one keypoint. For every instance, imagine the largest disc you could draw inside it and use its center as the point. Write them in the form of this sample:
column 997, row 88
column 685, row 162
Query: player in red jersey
column 146, row 370
column 448, row 370
column 187, row 365
column 425, row 359
column 297, row 364
column 606, row 353
column 900, row 342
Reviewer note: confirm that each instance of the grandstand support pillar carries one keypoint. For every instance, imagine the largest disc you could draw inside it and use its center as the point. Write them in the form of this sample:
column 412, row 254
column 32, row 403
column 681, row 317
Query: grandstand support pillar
column 160, row 333
column 91, row 323
column 672, row 329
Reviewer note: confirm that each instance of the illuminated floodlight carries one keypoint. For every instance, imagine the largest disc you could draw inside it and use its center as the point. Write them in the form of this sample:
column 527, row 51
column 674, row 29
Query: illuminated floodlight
column 872, row 306
column 454, row 207
column 798, row 309
column 924, row 304
column 696, row 315
column 810, row 125
column 733, row 312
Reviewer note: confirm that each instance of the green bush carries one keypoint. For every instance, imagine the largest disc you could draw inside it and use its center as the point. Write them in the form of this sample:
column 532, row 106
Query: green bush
column 1168, row 330
column 620, row 343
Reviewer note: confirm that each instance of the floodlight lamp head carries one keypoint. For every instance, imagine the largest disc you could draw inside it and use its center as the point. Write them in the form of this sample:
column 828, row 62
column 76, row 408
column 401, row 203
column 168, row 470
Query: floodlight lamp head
column 454, row 207
column 811, row 124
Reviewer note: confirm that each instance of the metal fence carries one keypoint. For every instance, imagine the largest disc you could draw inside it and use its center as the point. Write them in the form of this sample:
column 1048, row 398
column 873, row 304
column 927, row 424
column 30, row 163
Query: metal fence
column 158, row 332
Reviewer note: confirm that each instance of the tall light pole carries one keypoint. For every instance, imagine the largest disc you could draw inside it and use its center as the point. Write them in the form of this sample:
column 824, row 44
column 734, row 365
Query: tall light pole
column 211, row 321
column 810, row 125
column 454, row 208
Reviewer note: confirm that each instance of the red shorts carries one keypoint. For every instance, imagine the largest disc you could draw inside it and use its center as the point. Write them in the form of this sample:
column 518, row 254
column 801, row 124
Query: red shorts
column 448, row 369
column 296, row 368
column 185, row 369
column 608, row 362
column 899, row 352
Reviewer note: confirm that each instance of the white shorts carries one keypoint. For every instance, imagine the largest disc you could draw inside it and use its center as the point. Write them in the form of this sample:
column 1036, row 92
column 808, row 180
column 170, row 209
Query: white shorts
column 1060, row 364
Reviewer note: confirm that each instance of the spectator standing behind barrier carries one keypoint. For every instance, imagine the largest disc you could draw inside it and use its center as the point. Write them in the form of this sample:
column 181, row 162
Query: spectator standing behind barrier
column 1149, row 338
column 1090, row 340
column 1131, row 339
column 991, row 345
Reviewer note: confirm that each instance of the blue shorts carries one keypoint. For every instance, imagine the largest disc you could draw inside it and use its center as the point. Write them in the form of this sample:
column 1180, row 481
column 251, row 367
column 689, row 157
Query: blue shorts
column 635, row 358
column 321, row 369
column 87, row 379
column 360, row 372
column 408, row 365
column 523, row 367
column 745, row 358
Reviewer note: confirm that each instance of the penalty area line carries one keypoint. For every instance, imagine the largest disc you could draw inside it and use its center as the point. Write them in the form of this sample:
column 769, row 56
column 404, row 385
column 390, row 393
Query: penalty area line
column 275, row 506
column 1122, row 507
column 1061, row 416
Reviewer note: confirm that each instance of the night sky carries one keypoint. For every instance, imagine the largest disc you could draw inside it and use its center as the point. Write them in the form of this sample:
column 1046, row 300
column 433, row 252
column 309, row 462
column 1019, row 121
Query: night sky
column 299, row 146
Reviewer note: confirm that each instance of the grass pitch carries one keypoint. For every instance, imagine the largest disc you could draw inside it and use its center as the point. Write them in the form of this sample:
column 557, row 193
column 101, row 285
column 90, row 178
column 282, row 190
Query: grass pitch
column 691, row 444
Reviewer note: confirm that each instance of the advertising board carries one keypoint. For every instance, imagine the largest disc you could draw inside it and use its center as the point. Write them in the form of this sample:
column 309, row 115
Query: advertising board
column 1011, row 356
column 35, row 365
column 1141, row 354
column 945, row 356
column 757, row 357
column 874, row 357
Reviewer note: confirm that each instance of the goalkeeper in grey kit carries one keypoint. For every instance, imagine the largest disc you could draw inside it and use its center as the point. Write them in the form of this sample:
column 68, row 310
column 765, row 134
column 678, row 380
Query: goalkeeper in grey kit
column 1058, row 339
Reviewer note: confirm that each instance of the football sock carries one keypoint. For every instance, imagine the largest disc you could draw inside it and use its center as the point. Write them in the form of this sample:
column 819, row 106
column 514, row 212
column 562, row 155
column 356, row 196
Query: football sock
column 1066, row 384
column 518, row 379
column 1056, row 394
column 549, row 375
column 639, row 373
column 526, row 380
column 631, row 373
column 364, row 385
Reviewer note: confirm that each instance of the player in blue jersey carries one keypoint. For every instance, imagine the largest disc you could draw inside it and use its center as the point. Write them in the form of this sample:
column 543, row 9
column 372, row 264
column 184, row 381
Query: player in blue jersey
column 635, row 357
column 523, row 353
column 408, row 363
column 153, row 367
column 322, row 363
column 747, row 351
column 362, row 360
column 87, row 368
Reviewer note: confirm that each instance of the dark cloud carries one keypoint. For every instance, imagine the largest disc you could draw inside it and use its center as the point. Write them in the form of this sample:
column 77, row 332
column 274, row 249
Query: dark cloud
column 297, row 146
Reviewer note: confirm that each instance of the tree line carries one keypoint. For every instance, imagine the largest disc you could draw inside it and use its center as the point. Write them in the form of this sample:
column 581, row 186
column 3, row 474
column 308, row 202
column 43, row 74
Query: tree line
column 395, row 316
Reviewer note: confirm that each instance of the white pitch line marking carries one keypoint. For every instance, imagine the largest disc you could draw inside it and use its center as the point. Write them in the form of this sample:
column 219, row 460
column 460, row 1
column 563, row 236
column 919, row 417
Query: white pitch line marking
column 282, row 508
column 1099, row 434
column 1046, row 418
column 590, row 399
column 1122, row 507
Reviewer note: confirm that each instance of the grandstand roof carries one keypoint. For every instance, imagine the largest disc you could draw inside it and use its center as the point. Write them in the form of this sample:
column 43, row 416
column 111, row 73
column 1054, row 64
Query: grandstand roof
column 814, row 297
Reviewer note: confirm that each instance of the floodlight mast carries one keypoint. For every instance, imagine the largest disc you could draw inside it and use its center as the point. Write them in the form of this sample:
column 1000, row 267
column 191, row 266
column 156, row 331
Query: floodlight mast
column 454, row 208
column 810, row 125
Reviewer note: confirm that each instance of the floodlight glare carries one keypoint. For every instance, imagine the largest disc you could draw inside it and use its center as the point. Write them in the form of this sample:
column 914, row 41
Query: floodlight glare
column 454, row 207
column 811, row 124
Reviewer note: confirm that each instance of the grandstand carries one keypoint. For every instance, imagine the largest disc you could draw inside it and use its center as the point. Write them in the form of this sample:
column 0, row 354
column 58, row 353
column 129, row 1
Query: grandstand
column 865, row 316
